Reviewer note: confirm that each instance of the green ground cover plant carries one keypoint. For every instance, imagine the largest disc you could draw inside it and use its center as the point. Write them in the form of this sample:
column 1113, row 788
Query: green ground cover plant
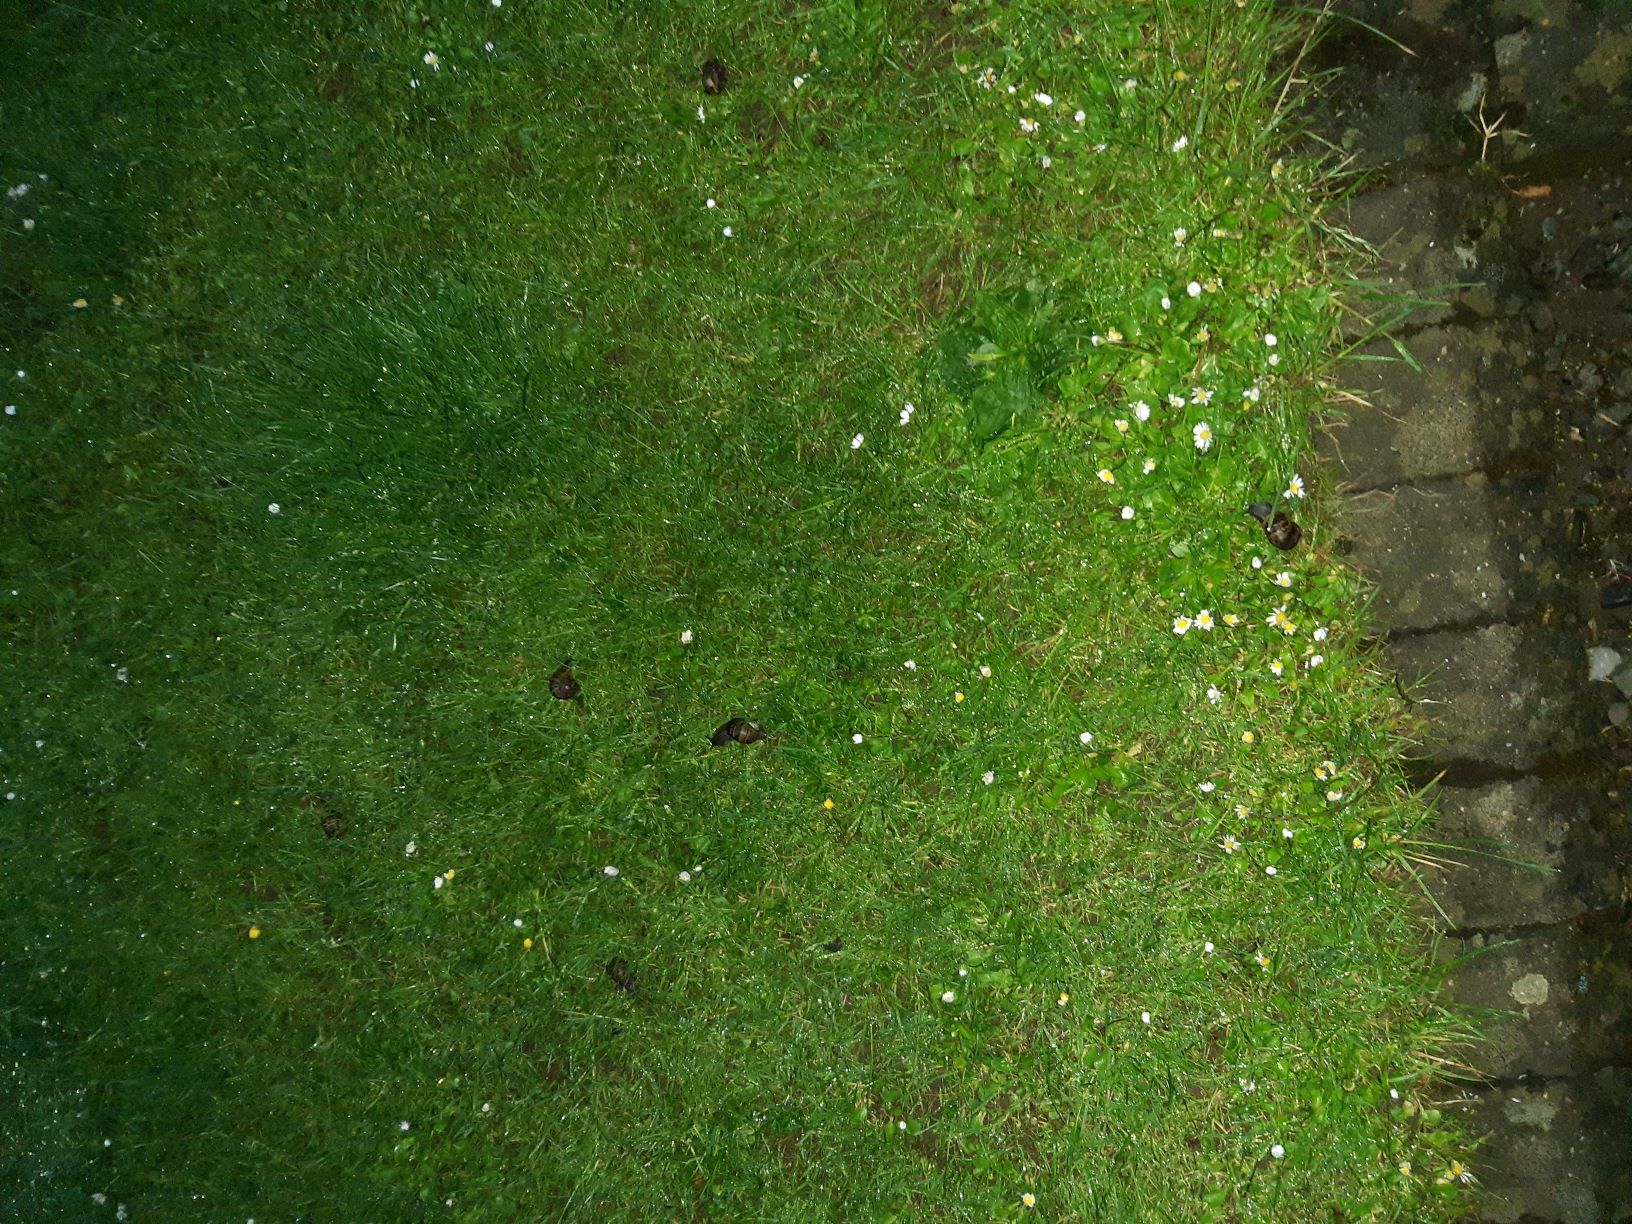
column 367, row 363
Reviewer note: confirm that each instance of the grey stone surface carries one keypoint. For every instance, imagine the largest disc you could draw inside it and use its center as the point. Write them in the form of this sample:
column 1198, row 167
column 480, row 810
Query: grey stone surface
column 1504, row 695
column 1518, row 854
column 1413, row 109
column 1556, row 1003
column 1471, row 407
column 1563, row 74
column 1558, row 1150
column 1445, row 244
column 1456, row 552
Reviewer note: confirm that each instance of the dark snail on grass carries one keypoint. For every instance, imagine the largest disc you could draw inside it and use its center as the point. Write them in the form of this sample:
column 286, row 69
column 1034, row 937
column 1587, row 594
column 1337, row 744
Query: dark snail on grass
column 739, row 730
column 564, row 685
column 1279, row 527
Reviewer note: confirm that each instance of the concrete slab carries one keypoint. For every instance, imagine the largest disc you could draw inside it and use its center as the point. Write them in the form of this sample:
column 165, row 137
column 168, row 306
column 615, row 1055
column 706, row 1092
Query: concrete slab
column 1457, row 552
column 1518, row 854
column 1470, row 407
column 1559, row 1150
column 1560, row 1001
column 1503, row 695
column 1442, row 242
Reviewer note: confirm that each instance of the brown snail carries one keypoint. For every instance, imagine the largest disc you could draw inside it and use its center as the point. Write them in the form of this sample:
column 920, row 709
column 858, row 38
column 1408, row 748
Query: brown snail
column 715, row 77
column 623, row 977
column 1279, row 527
column 564, row 685
column 739, row 730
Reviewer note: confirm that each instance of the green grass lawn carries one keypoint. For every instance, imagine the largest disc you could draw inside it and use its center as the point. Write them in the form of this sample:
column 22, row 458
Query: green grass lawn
column 372, row 361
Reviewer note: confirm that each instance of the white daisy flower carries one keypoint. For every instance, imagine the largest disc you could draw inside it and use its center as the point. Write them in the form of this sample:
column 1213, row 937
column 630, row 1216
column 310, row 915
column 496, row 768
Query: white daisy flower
column 1203, row 434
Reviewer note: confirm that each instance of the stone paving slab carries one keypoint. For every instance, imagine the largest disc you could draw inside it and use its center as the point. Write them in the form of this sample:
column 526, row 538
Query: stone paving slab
column 1564, row 998
column 1471, row 407
column 1505, row 695
column 1454, row 552
column 1414, row 108
column 1519, row 854
column 1563, row 72
column 1431, row 239
column 1558, row 1150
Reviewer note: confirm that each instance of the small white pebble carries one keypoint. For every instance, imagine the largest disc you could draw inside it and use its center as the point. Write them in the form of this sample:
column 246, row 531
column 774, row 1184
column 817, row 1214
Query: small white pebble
column 726, row 231
column 274, row 508
column 985, row 672
column 856, row 738
column 11, row 409
column 709, row 203
column 1085, row 738
column 609, row 870
column 516, row 922
column 684, row 877
column 411, row 849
